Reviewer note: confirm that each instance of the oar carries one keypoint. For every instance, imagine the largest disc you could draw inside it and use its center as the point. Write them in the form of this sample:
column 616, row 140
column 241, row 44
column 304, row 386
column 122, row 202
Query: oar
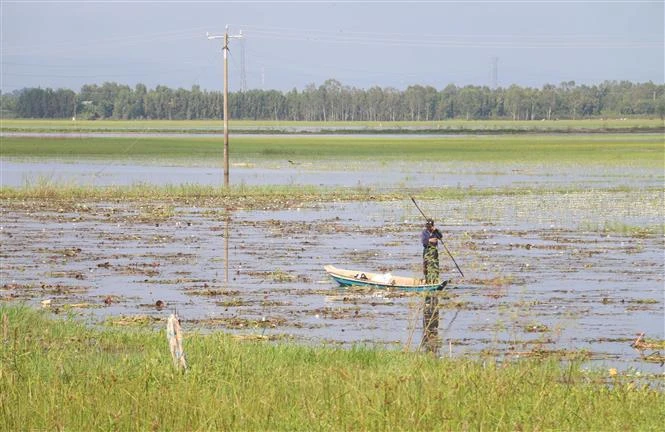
column 440, row 238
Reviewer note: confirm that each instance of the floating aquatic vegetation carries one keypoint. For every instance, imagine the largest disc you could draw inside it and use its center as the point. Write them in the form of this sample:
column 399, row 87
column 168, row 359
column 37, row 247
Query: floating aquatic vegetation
column 67, row 306
column 149, row 212
column 376, row 298
column 234, row 302
column 642, row 343
column 561, row 354
column 243, row 323
column 133, row 320
column 525, row 257
column 281, row 276
column 536, row 328
column 212, row 292
column 252, row 337
column 338, row 313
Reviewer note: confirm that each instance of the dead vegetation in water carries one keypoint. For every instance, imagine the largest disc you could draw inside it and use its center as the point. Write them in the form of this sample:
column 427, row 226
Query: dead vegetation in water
column 158, row 203
column 244, row 301
column 134, row 320
column 278, row 276
column 362, row 256
column 542, row 353
column 67, row 252
column 27, row 290
column 253, row 337
column 501, row 281
column 337, row 313
column 536, row 328
column 654, row 357
column 207, row 291
column 83, row 305
column 371, row 299
column 646, row 343
column 240, row 323
column 641, row 344
column 136, row 247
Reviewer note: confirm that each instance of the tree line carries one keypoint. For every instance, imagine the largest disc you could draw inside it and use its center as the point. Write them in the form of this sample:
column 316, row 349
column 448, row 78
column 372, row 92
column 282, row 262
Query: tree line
column 332, row 101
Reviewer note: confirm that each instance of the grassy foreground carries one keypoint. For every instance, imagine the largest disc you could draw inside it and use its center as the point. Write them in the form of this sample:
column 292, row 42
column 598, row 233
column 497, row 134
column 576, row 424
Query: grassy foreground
column 61, row 375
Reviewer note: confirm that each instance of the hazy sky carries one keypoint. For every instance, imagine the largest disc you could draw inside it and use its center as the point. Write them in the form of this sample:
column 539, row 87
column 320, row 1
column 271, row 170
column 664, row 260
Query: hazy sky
column 65, row 44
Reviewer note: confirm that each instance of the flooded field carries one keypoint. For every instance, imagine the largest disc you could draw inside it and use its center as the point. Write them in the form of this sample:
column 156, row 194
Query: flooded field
column 376, row 175
column 576, row 274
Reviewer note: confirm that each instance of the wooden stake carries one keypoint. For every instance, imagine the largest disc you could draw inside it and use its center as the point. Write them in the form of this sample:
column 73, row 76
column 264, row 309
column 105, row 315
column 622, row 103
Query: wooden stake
column 174, row 336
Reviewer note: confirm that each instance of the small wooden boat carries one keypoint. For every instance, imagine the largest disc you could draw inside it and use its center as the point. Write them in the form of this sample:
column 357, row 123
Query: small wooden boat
column 380, row 280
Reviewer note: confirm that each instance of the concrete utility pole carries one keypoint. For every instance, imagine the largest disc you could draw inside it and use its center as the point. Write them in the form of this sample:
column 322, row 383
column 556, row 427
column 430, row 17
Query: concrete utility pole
column 225, row 49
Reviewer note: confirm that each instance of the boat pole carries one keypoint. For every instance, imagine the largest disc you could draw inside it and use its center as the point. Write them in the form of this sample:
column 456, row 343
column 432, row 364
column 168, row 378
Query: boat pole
column 440, row 238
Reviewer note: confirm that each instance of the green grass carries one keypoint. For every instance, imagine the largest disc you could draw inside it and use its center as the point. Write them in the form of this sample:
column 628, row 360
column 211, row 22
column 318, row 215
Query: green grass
column 632, row 149
column 616, row 227
column 236, row 195
column 252, row 196
column 195, row 126
column 61, row 375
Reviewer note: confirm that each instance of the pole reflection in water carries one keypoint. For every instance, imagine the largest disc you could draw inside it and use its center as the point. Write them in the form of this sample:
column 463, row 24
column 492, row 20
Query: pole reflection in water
column 226, row 246
column 431, row 342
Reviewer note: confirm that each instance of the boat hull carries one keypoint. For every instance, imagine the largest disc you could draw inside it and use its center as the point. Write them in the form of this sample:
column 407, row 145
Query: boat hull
column 347, row 278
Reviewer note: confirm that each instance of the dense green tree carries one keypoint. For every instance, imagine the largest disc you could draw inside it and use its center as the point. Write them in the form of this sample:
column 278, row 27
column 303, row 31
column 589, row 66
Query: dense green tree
column 8, row 104
column 333, row 101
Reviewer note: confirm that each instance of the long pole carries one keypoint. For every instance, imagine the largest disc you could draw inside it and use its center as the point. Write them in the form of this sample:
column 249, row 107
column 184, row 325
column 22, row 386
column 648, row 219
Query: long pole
column 418, row 207
column 451, row 257
column 442, row 242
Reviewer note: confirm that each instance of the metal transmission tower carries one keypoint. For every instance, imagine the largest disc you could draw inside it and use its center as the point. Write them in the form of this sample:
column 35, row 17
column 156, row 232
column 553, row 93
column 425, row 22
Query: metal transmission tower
column 243, row 73
column 225, row 49
column 495, row 72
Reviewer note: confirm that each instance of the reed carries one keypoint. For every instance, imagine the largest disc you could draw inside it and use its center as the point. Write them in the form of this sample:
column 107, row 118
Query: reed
column 57, row 374
column 250, row 196
column 235, row 196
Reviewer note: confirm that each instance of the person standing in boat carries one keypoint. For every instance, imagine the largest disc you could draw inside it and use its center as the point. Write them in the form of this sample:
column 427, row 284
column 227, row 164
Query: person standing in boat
column 430, row 239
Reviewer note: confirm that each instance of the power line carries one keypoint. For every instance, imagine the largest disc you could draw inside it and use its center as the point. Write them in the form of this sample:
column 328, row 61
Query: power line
column 451, row 40
column 96, row 44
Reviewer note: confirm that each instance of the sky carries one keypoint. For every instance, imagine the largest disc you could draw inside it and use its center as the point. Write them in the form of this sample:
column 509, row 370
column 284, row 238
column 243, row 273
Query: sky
column 361, row 44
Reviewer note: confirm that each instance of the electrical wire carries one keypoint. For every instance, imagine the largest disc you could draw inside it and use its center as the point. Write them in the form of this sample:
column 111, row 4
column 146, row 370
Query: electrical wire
column 447, row 40
column 97, row 44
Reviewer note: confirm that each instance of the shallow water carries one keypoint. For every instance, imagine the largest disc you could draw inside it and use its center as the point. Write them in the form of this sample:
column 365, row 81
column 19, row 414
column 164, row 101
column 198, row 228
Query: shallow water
column 542, row 274
column 378, row 175
column 536, row 278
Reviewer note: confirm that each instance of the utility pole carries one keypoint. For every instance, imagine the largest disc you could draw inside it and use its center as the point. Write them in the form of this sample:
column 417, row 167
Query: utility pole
column 225, row 49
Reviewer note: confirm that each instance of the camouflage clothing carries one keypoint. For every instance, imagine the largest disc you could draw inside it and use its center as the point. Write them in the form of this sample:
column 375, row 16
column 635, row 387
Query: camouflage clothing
column 430, row 257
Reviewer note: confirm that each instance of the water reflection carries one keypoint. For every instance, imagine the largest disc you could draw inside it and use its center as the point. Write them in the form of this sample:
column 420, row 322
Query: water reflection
column 431, row 342
column 386, row 175
column 227, row 219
